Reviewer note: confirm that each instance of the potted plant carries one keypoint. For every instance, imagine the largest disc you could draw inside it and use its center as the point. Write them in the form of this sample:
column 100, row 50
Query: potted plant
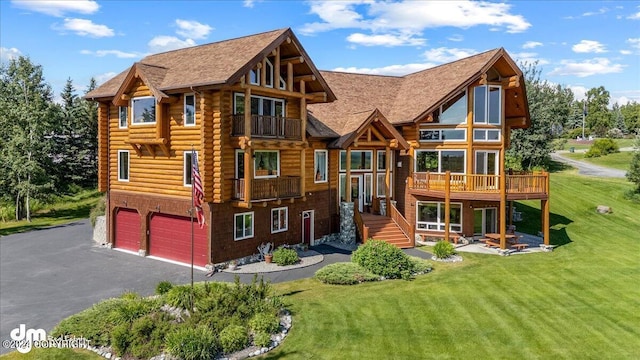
column 233, row 264
column 268, row 258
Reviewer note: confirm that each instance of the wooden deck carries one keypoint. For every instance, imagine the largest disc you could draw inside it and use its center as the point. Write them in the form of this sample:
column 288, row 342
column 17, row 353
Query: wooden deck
column 521, row 186
column 379, row 227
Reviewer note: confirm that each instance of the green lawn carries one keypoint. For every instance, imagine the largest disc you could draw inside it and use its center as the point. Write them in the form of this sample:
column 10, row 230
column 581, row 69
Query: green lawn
column 619, row 160
column 583, row 145
column 65, row 210
column 53, row 354
column 577, row 302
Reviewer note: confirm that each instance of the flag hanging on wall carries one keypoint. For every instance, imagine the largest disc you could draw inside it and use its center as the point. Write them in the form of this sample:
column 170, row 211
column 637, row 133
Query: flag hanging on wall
column 196, row 188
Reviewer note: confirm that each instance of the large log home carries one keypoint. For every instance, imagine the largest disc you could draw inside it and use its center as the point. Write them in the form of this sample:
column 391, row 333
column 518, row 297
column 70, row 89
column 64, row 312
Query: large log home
column 276, row 140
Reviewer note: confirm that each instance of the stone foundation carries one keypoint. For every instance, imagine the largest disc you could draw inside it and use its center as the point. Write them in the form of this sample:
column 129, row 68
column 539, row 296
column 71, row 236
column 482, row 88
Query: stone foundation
column 100, row 230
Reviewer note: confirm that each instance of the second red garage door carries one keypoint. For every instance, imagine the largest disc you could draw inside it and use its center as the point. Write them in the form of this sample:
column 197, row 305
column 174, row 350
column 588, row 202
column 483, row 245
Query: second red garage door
column 170, row 238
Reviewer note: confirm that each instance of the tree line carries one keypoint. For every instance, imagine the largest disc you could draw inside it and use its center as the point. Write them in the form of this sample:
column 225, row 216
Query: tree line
column 46, row 148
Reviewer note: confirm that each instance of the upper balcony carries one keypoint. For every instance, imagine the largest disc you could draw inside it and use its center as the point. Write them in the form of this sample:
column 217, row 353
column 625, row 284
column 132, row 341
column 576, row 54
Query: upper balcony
column 268, row 127
column 284, row 187
column 519, row 186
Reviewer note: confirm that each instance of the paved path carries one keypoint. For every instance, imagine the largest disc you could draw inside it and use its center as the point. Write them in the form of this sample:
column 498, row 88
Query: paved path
column 47, row 275
column 585, row 168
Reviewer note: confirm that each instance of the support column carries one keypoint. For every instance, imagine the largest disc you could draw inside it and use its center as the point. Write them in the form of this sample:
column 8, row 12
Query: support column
column 544, row 206
column 447, row 204
column 387, row 178
column 347, row 190
column 248, row 174
column 503, row 211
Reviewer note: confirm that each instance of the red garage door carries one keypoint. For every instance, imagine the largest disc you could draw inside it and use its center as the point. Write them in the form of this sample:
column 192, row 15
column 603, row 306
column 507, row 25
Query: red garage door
column 127, row 230
column 170, row 238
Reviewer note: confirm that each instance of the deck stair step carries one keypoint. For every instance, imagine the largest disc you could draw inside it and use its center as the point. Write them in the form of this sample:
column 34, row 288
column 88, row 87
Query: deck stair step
column 385, row 229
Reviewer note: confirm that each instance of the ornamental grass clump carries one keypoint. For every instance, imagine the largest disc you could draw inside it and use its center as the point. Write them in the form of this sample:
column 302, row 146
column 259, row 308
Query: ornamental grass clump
column 384, row 259
column 443, row 249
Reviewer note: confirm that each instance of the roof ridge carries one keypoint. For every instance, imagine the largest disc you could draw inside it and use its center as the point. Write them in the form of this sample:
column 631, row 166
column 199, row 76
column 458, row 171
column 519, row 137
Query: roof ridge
column 363, row 74
column 453, row 62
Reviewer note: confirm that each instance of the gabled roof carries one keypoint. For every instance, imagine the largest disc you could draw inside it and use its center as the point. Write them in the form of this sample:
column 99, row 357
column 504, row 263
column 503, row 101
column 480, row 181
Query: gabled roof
column 219, row 63
column 356, row 124
column 407, row 98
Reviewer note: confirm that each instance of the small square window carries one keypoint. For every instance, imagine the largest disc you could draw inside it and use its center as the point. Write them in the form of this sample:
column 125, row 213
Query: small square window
column 243, row 224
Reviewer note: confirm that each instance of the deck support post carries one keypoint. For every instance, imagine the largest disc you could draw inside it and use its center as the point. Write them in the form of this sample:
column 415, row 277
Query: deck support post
column 347, row 180
column 503, row 210
column 544, row 207
column 447, row 204
column 387, row 178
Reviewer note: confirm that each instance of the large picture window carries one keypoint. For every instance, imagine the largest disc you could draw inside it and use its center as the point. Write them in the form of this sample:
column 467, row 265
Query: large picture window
column 123, row 117
column 320, row 166
column 267, row 163
column 144, row 110
column 279, row 220
column 487, row 104
column 260, row 105
column 454, row 111
column 123, row 165
column 189, row 110
column 431, row 216
column 360, row 160
column 243, row 226
column 440, row 161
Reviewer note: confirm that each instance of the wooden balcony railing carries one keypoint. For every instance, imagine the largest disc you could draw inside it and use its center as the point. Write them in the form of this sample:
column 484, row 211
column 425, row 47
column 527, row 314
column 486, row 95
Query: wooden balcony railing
column 268, row 127
column 403, row 224
column 267, row 189
column 531, row 183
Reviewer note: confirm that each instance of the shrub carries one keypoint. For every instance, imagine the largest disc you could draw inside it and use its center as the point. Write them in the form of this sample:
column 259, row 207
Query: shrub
column 233, row 338
column 133, row 309
column 443, row 249
column 163, row 287
column 129, row 295
column 148, row 334
column 94, row 323
column 285, row 256
column 345, row 274
column 97, row 210
column 602, row 147
column 262, row 339
column 121, row 338
column 420, row 266
column 192, row 343
column 559, row 144
column 180, row 296
column 264, row 322
column 384, row 259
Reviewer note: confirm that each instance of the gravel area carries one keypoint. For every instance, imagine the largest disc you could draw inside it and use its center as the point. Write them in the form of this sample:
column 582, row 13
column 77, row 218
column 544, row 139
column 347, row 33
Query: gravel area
column 307, row 258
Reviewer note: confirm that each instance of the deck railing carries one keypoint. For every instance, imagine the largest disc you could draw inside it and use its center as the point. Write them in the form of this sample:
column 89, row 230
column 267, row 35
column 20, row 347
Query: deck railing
column 270, row 188
column 263, row 126
column 531, row 183
column 362, row 229
column 403, row 224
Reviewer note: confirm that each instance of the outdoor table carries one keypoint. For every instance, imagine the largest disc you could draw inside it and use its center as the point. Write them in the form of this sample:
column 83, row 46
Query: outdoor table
column 511, row 238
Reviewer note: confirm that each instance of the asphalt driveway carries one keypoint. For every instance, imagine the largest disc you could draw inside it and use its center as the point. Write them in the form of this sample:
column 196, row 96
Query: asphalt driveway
column 47, row 275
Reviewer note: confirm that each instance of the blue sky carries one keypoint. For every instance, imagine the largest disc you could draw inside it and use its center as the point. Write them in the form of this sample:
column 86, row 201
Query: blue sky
column 580, row 44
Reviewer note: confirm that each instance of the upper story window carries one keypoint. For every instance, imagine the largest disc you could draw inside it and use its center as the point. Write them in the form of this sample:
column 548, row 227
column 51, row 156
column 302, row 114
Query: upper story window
column 360, row 160
column 188, row 167
column 443, row 134
column 268, row 74
column 320, row 165
column 189, row 110
column 254, row 76
column 260, row 105
column 283, row 83
column 487, row 104
column 144, row 110
column 440, row 161
column 123, row 165
column 123, row 117
column 267, row 163
column 486, row 135
column 382, row 160
column 454, row 111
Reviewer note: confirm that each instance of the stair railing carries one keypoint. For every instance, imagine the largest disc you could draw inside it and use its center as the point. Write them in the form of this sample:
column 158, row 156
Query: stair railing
column 408, row 229
column 362, row 229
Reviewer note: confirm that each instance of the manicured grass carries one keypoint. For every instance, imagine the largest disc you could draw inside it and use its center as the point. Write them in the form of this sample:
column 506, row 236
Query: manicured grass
column 577, row 302
column 53, row 354
column 580, row 145
column 64, row 210
column 619, row 160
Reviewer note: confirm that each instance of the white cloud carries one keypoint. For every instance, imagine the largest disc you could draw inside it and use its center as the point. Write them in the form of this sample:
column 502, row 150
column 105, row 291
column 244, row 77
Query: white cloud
column 531, row 44
column 58, row 7
column 411, row 16
column 250, row 3
column 634, row 42
column 116, row 53
column 385, row 40
column 626, row 52
column 596, row 66
column 599, row 12
column 164, row 43
column 84, row 27
column 393, row 70
column 101, row 78
column 579, row 92
column 8, row 54
column 444, row 55
column 529, row 58
column 192, row 29
column 456, row 38
column 635, row 16
column 589, row 46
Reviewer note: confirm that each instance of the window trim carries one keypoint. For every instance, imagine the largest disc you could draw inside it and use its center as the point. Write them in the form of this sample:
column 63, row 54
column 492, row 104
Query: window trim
column 128, row 165
column 256, row 168
column 126, row 117
column 440, row 133
column 286, row 216
column 244, row 237
column 325, row 170
column 133, row 111
column 268, row 75
column 486, row 135
column 487, row 92
column 255, row 70
column 187, row 182
column 185, row 110
column 439, row 151
column 440, row 223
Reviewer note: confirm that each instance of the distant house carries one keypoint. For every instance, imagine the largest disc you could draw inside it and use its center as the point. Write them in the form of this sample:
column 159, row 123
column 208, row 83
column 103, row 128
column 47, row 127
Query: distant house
column 276, row 140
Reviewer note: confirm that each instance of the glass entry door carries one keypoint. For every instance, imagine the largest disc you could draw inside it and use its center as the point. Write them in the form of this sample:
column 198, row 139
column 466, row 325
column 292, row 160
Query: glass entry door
column 357, row 197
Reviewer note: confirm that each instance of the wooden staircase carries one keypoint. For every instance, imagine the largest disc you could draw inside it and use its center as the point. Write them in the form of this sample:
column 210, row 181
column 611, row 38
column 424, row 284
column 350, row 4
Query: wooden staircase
column 385, row 229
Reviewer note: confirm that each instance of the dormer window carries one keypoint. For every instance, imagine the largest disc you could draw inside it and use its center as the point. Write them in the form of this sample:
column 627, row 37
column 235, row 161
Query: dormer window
column 144, row 110
column 254, row 76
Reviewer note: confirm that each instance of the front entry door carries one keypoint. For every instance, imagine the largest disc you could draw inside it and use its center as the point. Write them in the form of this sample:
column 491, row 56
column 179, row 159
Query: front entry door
column 307, row 226
column 485, row 221
column 357, row 197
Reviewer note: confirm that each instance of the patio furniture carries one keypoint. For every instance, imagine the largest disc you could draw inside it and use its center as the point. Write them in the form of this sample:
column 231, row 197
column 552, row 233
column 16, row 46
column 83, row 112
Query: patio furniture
column 519, row 246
